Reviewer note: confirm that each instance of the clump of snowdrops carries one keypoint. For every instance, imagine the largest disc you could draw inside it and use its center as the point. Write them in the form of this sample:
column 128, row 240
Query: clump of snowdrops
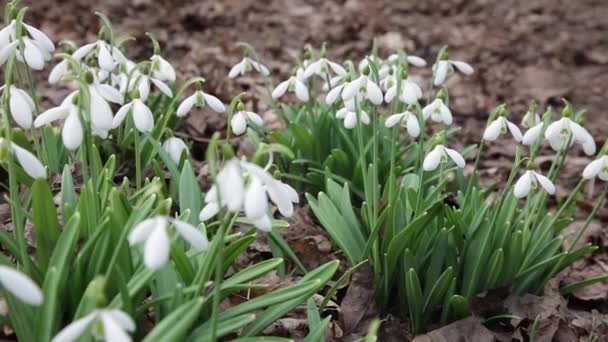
column 117, row 259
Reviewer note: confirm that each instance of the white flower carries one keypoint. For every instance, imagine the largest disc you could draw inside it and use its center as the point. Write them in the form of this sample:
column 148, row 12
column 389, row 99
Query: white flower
column 200, row 98
column 240, row 119
column 37, row 47
column 532, row 134
column 597, row 168
column 560, row 132
column 142, row 82
column 410, row 91
column 142, row 116
column 530, row 120
column 438, row 112
column 20, row 286
column 411, row 59
column 529, row 180
column 21, row 107
column 410, row 119
column 175, row 147
column 293, row 84
column 153, row 233
column 439, row 155
column 349, row 114
column 500, row 126
column 162, row 70
column 105, row 324
column 363, row 88
column 72, row 132
column 322, row 67
column 335, row 91
column 28, row 161
column 100, row 110
column 252, row 198
column 442, row 68
column 246, row 65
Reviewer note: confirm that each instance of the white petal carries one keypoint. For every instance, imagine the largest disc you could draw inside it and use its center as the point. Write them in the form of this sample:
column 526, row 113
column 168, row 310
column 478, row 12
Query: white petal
column 28, row 161
column 208, row 211
column 72, row 132
column 333, row 94
column 256, row 119
column 280, row 197
column 84, row 50
column 589, row 147
column 163, row 87
column 523, row 185
column 143, row 229
column 410, row 92
column 32, row 55
column 121, row 114
column 20, row 108
column 186, row 105
column 51, row 115
column 192, row 235
column 20, row 286
column 230, row 185
column 514, row 131
column 5, row 51
column 416, row 61
column 60, row 70
column 237, row 69
column 364, row 117
column 390, row 94
column 75, row 329
column 441, row 71
column 593, row 169
column 545, row 183
column 122, row 319
column 350, row 120
column 493, row 130
column 238, row 123
column 312, row 68
column 142, row 116
column 263, row 223
column 156, row 249
column 175, row 147
column 110, row 93
column 6, row 33
column 456, row 157
column 105, row 59
column 144, row 88
column 280, row 89
column 413, row 127
column 555, row 128
column 532, row 135
column 374, row 93
column 463, row 67
column 393, row 120
column 214, row 103
column 337, row 68
column 301, row 91
column 351, row 89
column 40, row 37
column 341, row 113
column 432, row 160
column 112, row 331
column 256, row 202
column 101, row 113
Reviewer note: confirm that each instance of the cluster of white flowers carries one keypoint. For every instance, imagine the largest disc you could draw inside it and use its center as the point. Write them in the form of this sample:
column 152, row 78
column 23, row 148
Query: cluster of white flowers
column 243, row 186
column 32, row 47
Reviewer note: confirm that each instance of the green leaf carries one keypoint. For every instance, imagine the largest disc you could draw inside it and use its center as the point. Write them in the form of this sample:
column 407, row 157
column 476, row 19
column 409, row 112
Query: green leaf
column 189, row 193
column 175, row 326
column 414, row 299
column 582, row 283
column 46, row 225
column 224, row 327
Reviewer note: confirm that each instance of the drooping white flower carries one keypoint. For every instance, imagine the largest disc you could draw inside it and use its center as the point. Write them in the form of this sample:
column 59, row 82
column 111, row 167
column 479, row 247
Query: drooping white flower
column 100, row 110
column 245, row 65
column 322, row 67
column 438, row 112
column 21, row 107
column 530, row 180
column 440, row 154
column 410, row 91
column 199, row 99
column 153, row 233
column 37, row 47
column 175, row 147
column 500, row 126
column 560, row 132
column 597, row 168
column 530, row 120
column 532, row 134
column 411, row 59
column 293, row 84
column 336, row 90
column 363, row 88
column 162, row 70
column 72, row 133
column 28, row 161
column 442, row 68
column 105, row 324
column 142, row 116
column 241, row 185
column 143, row 83
column 407, row 118
column 349, row 114
column 239, row 121
column 20, row 286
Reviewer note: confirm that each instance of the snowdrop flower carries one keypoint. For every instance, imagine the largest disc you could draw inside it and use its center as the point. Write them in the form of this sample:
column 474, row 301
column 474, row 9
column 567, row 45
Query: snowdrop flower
column 411, row 59
column 100, row 110
column 153, row 233
column 321, row 68
column 72, row 133
column 530, row 120
column 440, row 155
column 597, row 168
column 338, row 84
column 246, row 65
column 63, row 68
column 410, row 90
column 142, row 116
column 530, row 180
column 438, row 112
column 407, row 118
column 21, row 106
column 499, row 126
column 442, row 68
column 175, row 147
column 363, row 88
column 560, row 132
column 293, row 84
column 252, row 197
column 349, row 114
column 162, row 70
column 241, row 118
column 28, row 161
column 142, row 83
column 199, row 99
column 105, row 324
column 20, row 286
column 36, row 50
